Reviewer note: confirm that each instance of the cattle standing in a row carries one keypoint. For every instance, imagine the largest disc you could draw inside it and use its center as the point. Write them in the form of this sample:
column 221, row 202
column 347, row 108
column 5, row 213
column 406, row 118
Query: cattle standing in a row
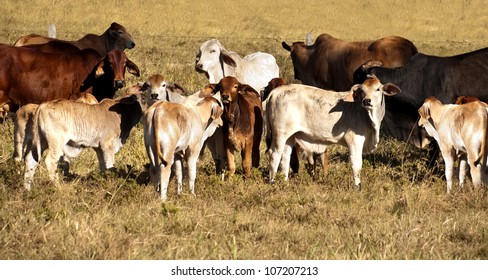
column 115, row 37
column 176, row 132
column 104, row 126
column 314, row 119
column 425, row 75
column 461, row 132
column 243, row 123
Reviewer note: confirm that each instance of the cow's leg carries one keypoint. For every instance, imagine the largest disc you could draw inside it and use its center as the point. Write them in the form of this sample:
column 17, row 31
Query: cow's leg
column 101, row 160
column 246, row 155
column 30, row 165
column 19, row 136
column 192, row 170
column 165, row 171
column 462, row 170
column 475, row 169
column 356, row 158
column 214, row 144
column 285, row 157
column 325, row 161
column 449, row 156
column 231, row 161
column 53, row 156
column 275, row 152
column 178, row 165
column 295, row 159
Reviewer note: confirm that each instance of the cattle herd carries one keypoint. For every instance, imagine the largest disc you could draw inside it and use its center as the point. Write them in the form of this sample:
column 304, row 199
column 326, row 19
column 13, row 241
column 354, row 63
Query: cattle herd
column 63, row 97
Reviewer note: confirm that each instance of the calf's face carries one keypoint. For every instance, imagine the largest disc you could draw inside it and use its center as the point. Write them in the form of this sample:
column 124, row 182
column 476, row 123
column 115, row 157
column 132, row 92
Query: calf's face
column 371, row 92
column 229, row 87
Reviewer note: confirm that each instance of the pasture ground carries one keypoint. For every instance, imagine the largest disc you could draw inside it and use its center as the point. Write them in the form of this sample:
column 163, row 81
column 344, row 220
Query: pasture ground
column 402, row 212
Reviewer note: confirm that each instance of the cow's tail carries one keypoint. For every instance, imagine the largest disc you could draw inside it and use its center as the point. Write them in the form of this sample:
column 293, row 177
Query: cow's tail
column 51, row 31
column 35, row 147
column 267, row 123
column 154, row 131
column 483, row 157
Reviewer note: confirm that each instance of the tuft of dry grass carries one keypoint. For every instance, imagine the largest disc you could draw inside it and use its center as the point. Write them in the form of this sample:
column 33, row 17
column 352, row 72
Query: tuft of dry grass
column 402, row 212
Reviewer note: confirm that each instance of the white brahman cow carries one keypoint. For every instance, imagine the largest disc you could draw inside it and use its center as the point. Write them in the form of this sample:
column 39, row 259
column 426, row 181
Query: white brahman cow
column 314, row 118
column 255, row 69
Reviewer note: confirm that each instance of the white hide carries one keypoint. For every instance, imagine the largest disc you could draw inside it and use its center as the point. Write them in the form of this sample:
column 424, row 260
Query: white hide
column 255, row 69
column 315, row 118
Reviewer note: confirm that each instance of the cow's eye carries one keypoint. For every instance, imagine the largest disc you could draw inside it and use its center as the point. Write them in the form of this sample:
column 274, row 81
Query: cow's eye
column 212, row 51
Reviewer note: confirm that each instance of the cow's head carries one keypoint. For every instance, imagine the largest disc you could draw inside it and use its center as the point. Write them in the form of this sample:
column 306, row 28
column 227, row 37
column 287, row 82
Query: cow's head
column 111, row 69
column 212, row 54
column 120, row 37
column 372, row 91
column 425, row 119
column 229, row 89
column 272, row 84
column 297, row 50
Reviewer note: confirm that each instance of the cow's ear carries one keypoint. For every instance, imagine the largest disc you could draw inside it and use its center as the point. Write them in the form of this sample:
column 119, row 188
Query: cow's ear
column 132, row 68
column 286, row 46
column 227, row 59
column 210, row 89
column 176, row 88
column 354, row 93
column 216, row 110
column 390, row 89
column 99, row 70
column 243, row 89
column 424, row 111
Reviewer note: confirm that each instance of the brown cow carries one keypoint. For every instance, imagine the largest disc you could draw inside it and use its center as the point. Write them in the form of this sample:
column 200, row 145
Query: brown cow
column 115, row 37
column 243, row 123
column 31, row 76
column 330, row 62
column 460, row 100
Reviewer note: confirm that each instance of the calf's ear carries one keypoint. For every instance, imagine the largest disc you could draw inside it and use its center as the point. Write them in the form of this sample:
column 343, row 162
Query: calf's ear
column 424, row 111
column 354, row 94
column 99, row 69
column 390, row 89
column 132, row 68
column 243, row 89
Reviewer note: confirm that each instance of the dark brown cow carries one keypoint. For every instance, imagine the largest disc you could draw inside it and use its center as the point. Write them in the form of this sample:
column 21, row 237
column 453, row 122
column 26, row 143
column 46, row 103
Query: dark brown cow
column 108, row 75
column 330, row 62
column 115, row 37
column 243, row 123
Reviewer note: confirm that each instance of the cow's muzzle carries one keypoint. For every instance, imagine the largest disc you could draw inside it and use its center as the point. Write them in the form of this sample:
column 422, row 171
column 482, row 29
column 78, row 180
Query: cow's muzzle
column 199, row 68
column 154, row 96
column 367, row 102
column 119, row 84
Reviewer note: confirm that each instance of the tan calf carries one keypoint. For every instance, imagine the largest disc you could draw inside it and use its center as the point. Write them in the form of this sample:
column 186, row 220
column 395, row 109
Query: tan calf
column 460, row 131
column 173, row 132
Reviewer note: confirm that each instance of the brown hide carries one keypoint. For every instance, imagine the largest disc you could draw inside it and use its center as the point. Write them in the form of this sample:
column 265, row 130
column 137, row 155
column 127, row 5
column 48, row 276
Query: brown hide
column 115, row 37
column 243, row 123
column 30, row 76
column 330, row 62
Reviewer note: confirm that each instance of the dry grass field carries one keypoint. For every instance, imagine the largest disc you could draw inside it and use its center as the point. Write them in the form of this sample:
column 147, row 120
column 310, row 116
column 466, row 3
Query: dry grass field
column 402, row 212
